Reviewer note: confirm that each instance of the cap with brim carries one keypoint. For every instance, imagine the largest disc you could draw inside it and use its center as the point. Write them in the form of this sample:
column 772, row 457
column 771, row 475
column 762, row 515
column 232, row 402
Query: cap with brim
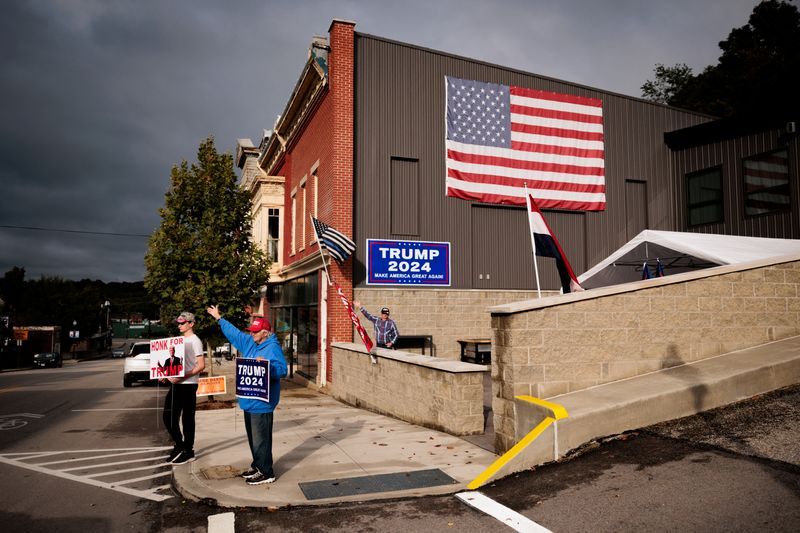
column 186, row 316
column 259, row 324
column 385, row 310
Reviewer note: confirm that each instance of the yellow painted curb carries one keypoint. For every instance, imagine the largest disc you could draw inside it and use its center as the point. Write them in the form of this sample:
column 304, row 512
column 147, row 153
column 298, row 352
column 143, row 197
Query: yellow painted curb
column 558, row 413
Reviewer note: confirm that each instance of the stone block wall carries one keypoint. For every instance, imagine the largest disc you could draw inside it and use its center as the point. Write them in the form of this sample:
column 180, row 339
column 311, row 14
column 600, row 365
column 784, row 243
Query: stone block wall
column 552, row 346
column 443, row 395
column 447, row 314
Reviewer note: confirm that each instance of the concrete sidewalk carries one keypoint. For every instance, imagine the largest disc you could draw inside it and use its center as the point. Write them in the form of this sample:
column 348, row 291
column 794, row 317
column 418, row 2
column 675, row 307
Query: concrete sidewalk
column 316, row 438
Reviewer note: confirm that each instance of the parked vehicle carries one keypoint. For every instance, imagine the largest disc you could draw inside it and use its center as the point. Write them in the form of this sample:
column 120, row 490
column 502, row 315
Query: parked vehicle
column 46, row 359
column 118, row 352
column 137, row 364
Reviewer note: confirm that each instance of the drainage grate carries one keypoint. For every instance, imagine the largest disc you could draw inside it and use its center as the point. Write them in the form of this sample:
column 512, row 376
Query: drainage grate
column 351, row 486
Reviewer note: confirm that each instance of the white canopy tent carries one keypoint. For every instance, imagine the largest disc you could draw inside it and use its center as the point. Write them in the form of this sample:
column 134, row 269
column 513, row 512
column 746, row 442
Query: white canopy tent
column 680, row 252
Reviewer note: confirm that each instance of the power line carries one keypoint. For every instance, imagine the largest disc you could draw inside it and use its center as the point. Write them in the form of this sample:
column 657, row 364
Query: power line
column 75, row 231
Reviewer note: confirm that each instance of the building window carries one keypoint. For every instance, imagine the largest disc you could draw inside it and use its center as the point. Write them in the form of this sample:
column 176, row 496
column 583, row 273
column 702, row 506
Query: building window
column 766, row 183
column 704, row 197
column 303, row 218
column 316, row 195
column 294, row 221
column 273, row 233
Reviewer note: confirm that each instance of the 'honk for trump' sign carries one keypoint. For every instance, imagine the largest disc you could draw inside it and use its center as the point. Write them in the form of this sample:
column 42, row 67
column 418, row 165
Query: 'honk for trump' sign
column 408, row 263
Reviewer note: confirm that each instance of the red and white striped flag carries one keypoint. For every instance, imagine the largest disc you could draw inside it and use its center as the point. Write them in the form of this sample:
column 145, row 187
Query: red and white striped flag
column 359, row 328
column 499, row 138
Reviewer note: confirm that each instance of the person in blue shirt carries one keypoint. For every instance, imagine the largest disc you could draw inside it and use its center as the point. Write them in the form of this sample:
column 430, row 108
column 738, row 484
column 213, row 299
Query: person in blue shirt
column 261, row 344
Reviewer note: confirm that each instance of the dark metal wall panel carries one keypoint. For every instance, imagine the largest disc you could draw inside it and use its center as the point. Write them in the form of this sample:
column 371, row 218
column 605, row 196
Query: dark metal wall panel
column 400, row 112
column 404, row 198
column 730, row 154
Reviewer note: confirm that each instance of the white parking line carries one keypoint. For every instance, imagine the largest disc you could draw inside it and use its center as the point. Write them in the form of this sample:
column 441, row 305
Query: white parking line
column 118, row 409
column 221, row 523
column 502, row 513
column 94, row 457
column 115, row 463
column 27, row 461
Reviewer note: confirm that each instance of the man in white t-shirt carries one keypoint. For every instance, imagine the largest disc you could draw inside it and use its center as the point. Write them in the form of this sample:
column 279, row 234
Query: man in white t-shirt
column 181, row 400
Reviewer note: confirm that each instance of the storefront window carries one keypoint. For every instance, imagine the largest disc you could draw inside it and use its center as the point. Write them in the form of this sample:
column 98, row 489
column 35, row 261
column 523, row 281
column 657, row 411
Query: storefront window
column 295, row 310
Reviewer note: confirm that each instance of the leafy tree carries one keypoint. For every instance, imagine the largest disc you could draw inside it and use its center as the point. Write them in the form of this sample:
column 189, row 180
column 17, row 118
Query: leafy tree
column 668, row 81
column 757, row 72
column 11, row 288
column 203, row 253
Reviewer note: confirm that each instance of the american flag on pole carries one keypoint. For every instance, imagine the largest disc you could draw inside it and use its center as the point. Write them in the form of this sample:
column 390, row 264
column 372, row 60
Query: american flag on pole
column 359, row 328
column 499, row 138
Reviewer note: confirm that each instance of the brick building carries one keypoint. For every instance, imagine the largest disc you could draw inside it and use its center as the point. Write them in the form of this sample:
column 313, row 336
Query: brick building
column 360, row 145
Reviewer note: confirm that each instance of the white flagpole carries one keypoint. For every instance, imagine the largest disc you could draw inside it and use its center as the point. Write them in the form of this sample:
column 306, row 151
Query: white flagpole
column 533, row 240
column 322, row 256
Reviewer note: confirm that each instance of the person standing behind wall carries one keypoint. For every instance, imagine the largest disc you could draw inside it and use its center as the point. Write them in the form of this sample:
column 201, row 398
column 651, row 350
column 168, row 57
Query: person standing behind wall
column 262, row 345
column 386, row 332
column 181, row 401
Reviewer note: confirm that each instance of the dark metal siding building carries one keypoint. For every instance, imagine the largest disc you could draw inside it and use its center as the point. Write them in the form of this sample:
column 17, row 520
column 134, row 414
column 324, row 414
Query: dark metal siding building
column 751, row 198
column 400, row 170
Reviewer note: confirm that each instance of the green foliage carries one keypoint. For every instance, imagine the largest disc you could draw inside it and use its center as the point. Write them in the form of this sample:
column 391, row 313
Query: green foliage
column 668, row 81
column 202, row 253
column 756, row 76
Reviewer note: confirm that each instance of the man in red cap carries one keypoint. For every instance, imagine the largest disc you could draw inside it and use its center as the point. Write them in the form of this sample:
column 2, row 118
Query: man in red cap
column 262, row 345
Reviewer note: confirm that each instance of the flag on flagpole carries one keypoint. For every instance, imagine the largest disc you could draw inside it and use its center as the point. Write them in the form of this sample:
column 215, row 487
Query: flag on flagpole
column 359, row 328
column 500, row 137
column 659, row 269
column 547, row 245
column 646, row 271
column 338, row 245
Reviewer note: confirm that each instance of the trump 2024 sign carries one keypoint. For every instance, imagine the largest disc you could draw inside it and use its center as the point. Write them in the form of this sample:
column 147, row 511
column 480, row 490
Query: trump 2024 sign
column 408, row 263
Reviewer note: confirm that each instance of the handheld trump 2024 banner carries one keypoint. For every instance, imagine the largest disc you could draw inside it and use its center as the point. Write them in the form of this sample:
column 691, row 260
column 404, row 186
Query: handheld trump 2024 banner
column 167, row 358
column 252, row 379
column 408, row 263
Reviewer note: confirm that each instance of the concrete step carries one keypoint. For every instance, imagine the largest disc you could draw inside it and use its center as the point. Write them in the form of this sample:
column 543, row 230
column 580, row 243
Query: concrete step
column 633, row 403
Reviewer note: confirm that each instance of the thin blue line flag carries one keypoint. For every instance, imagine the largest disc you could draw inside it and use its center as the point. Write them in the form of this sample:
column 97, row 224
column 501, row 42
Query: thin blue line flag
column 338, row 245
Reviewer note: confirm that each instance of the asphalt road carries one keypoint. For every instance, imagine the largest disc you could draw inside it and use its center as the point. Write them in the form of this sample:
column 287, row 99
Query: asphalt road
column 731, row 469
column 56, row 426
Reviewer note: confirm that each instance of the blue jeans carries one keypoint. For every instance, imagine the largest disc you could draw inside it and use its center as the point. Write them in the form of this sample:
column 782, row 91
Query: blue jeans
column 259, row 436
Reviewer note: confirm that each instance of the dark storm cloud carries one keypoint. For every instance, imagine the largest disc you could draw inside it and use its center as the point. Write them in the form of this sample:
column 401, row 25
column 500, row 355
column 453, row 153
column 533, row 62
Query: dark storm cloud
column 100, row 98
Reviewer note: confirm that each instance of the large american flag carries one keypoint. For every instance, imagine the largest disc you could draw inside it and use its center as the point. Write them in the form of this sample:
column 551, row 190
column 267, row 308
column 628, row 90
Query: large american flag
column 500, row 138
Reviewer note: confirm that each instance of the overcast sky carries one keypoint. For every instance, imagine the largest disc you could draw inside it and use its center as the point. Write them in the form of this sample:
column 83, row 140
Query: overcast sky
column 100, row 98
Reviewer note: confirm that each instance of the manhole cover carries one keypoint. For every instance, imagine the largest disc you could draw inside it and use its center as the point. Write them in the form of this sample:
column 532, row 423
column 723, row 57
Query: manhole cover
column 220, row 472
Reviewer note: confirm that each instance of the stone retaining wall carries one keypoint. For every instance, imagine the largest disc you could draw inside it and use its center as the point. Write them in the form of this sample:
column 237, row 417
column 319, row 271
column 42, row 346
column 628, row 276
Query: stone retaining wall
column 552, row 346
column 447, row 314
column 423, row 390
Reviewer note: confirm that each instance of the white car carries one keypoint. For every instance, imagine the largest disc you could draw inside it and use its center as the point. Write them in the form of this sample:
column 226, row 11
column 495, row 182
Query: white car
column 137, row 364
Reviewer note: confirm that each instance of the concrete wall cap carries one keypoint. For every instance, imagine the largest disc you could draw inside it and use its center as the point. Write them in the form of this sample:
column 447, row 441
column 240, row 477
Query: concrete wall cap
column 541, row 303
